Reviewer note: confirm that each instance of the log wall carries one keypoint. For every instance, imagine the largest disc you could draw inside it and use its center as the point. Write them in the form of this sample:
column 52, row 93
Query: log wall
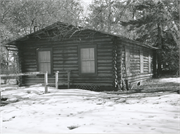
column 111, row 59
column 134, row 76
column 65, row 57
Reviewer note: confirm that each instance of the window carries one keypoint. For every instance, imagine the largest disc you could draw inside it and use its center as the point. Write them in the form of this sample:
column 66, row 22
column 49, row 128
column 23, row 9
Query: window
column 141, row 62
column 44, row 60
column 87, row 60
column 127, row 60
column 150, row 63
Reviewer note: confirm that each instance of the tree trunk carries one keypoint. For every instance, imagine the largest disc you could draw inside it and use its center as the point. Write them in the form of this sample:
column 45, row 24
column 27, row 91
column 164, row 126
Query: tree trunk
column 159, row 51
column 109, row 16
column 101, row 19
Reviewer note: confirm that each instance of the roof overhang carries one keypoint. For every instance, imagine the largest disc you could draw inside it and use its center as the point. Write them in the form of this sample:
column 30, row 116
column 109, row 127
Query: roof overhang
column 59, row 25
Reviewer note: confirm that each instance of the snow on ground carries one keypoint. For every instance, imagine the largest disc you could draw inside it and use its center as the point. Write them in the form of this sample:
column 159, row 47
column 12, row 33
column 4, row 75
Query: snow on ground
column 81, row 111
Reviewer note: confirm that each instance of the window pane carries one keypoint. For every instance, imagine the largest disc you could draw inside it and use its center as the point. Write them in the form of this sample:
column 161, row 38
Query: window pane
column 85, row 66
column 85, row 54
column 44, row 56
column 41, row 67
column 92, row 67
column 88, row 67
column 91, row 53
column 47, row 67
column 47, row 56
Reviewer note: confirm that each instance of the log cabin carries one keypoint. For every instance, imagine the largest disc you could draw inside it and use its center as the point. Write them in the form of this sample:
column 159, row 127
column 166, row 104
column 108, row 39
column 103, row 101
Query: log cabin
column 96, row 60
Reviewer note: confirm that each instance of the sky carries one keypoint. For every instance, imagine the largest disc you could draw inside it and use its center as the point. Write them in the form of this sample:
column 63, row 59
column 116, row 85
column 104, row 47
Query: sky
column 85, row 3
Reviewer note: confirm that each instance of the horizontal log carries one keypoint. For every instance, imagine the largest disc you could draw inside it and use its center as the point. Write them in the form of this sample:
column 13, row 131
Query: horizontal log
column 91, row 84
column 140, row 77
column 105, row 68
column 31, row 63
column 29, row 57
column 31, row 53
column 104, row 75
column 104, row 58
column 30, row 66
column 104, row 64
column 104, row 61
column 105, row 54
column 70, row 62
column 21, row 74
column 105, row 45
column 104, row 50
column 57, row 62
column 65, row 47
column 59, row 57
column 64, row 68
column 65, row 51
column 84, row 79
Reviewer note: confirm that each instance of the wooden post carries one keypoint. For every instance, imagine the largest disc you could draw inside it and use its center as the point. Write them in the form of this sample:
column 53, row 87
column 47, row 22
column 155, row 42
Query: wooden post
column 56, row 79
column 68, row 78
column 46, row 82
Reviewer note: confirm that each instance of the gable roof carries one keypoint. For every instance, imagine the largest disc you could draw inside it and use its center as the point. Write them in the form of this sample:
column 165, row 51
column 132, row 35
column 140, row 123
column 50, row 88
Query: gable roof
column 65, row 29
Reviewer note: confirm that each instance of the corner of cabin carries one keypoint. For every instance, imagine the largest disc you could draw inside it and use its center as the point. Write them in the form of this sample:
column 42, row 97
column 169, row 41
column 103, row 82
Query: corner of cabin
column 135, row 62
column 94, row 59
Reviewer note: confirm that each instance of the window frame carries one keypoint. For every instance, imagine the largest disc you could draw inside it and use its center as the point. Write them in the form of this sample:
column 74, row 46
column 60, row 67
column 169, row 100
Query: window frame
column 37, row 58
column 95, row 59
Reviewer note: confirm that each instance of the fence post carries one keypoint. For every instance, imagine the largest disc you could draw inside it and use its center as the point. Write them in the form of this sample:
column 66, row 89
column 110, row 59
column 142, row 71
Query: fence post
column 46, row 82
column 68, row 78
column 56, row 79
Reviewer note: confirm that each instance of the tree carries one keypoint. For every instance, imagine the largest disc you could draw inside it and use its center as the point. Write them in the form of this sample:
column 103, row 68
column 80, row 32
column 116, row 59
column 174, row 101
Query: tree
column 105, row 15
column 5, row 33
column 157, row 24
column 24, row 17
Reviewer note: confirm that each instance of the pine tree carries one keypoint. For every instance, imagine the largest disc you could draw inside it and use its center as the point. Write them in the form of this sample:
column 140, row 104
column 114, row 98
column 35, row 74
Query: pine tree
column 157, row 24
